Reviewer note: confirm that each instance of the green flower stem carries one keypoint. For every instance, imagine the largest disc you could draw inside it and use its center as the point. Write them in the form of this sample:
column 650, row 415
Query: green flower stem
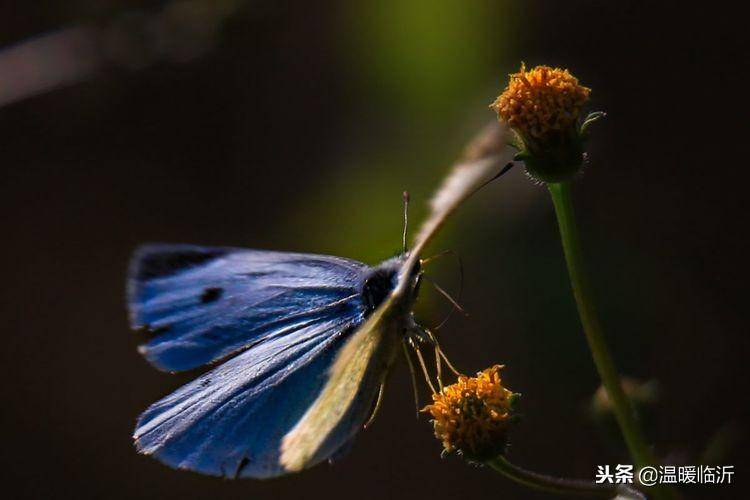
column 621, row 404
column 560, row 486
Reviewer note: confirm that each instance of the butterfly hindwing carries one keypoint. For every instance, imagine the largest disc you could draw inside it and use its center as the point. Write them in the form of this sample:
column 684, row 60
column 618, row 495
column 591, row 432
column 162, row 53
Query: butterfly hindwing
column 201, row 304
column 231, row 421
column 355, row 375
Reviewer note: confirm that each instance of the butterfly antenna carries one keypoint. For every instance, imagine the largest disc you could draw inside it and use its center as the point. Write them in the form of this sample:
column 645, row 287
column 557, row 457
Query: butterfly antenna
column 413, row 374
column 406, row 220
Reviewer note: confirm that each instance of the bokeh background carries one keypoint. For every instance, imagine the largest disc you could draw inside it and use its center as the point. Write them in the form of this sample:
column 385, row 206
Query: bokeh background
column 295, row 126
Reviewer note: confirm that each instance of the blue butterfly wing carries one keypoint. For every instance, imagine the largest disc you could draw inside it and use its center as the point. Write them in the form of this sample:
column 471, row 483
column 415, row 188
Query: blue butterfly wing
column 232, row 420
column 202, row 304
column 287, row 315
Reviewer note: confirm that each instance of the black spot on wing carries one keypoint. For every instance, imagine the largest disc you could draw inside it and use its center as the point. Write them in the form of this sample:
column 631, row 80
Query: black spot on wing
column 149, row 332
column 211, row 295
column 159, row 262
column 243, row 463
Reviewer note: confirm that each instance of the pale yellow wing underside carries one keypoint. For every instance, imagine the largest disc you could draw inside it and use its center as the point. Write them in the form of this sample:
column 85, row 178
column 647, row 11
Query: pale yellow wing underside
column 372, row 348
column 368, row 353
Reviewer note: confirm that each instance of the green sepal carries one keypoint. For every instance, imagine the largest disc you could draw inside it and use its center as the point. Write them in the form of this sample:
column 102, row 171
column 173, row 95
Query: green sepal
column 591, row 118
column 513, row 400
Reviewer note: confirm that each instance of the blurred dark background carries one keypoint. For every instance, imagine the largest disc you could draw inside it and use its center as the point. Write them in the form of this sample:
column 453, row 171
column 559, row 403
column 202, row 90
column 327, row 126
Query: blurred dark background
column 295, row 126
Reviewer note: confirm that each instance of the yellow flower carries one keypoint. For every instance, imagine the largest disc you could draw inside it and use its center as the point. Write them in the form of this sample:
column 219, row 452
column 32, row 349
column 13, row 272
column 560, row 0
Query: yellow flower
column 473, row 415
column 543, row 107
column 540, row 101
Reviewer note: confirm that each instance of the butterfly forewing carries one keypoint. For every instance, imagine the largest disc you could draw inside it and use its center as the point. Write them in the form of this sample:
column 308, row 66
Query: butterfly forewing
column 202, row 304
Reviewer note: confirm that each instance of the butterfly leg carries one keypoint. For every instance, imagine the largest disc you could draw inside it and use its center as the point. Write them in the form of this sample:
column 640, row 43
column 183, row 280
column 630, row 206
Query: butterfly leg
column 413, row 374
column 417, row 335
column 376, row 406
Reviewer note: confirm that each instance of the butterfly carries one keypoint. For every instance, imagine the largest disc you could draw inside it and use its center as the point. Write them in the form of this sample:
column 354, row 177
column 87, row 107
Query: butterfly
column 300, row 344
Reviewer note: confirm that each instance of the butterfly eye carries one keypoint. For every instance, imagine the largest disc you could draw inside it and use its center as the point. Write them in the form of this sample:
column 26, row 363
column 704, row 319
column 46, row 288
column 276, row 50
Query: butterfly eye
column 377, row 287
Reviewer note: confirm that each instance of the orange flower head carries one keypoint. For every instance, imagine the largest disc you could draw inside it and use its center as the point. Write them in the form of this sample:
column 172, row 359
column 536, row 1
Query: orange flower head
column 473, row 415
column 540, row 101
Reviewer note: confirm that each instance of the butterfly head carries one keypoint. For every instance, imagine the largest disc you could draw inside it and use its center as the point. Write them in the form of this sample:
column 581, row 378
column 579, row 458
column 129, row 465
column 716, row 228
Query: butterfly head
column 384, row 278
